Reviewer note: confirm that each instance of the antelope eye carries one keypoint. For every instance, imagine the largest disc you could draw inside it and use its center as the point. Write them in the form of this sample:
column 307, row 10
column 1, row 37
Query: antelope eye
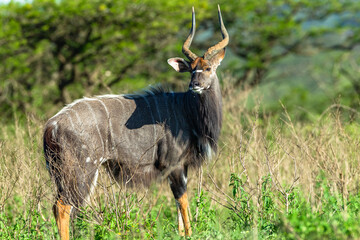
column 208, row 69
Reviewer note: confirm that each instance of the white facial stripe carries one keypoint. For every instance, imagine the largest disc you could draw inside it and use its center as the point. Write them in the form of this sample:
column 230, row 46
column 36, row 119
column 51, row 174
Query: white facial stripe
column 195, row 71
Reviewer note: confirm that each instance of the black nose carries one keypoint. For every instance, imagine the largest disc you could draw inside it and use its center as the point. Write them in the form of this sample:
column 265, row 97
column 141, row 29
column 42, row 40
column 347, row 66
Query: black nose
column 196, row 84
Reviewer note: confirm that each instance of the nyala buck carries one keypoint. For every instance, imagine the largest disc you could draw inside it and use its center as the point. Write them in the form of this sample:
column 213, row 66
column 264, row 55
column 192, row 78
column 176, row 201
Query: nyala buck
column 138, row 137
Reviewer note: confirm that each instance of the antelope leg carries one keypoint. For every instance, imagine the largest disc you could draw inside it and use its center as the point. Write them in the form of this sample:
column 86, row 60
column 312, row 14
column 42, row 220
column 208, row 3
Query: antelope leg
column 180, row 220
column 62, row 216
column 178, row 185
column 184, row 209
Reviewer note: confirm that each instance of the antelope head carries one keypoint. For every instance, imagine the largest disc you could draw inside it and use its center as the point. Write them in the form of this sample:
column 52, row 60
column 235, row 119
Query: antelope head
column 202, row 69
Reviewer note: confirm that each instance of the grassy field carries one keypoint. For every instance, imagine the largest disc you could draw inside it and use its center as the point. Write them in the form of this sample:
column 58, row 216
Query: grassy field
column 273, row 178
column 288, row 161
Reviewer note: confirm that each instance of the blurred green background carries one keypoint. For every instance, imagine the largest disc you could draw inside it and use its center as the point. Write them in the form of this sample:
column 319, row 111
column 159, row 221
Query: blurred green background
column 303, row 53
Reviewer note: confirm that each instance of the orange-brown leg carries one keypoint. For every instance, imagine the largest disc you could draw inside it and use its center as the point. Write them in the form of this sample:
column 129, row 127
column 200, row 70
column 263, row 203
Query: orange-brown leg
column 180, row 220
column 184, row 210
column 62, row 216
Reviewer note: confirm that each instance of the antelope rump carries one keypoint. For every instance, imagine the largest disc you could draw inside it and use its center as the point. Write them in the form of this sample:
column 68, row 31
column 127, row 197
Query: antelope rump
column 138, row 137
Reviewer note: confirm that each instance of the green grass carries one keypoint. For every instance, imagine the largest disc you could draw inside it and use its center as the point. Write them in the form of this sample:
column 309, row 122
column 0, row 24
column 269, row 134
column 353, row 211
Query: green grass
column 275, row 177
column 335, row 219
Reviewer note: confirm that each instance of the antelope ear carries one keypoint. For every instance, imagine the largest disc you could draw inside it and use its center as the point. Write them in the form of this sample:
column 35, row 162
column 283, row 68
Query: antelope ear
column 179, row 64
column 217, row 58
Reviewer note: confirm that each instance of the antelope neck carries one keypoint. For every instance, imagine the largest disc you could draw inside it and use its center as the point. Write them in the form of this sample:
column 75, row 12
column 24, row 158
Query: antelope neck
column 204, row 113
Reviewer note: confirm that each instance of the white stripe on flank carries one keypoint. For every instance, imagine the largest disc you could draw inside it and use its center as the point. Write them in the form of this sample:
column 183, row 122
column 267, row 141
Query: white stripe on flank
column 71, row 121
column 102, row 160
column 67, row 107
column 110, row 124
column 120, row 110
column 153, row 119
column 118, row 100
column 97, row 124
column 76, row 114
column 54, row 130
column 93, row 185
